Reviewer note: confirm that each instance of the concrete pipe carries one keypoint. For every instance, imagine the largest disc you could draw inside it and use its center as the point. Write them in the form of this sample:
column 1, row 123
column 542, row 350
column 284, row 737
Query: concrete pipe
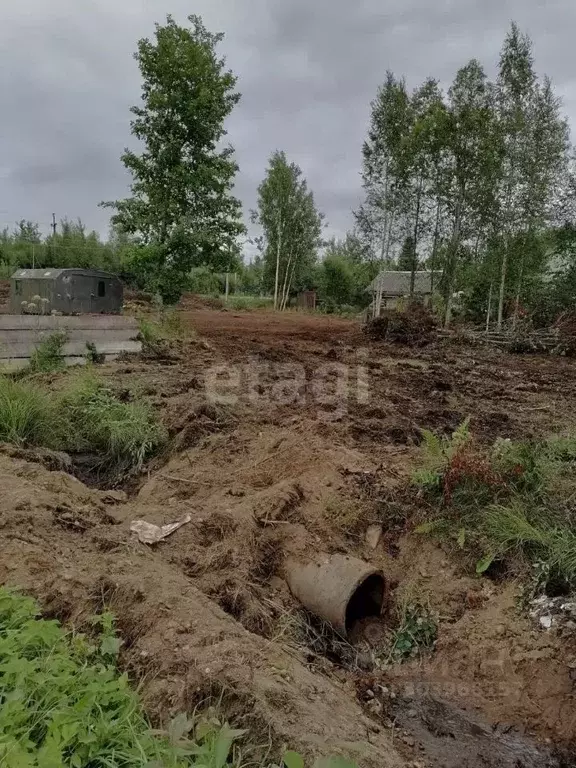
column 341, row 590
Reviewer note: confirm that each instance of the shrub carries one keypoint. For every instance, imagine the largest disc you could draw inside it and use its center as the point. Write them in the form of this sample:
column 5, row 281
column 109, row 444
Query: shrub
column 48, row 356
column 512, row 499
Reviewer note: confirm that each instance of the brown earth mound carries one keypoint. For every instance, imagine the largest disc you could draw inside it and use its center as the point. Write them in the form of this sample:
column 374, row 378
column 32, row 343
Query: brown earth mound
column 192, row 301
column 414, row 327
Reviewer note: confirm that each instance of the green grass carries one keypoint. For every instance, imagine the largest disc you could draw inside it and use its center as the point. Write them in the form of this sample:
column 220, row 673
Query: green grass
column 167, row 326
column 84, row 417
column 28, row 415
column 63, row 704
column 123, row 435
column 513, row 501
column 48, row 356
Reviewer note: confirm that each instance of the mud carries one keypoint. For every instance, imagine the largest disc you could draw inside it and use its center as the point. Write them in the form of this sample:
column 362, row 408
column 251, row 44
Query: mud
column 266, row 468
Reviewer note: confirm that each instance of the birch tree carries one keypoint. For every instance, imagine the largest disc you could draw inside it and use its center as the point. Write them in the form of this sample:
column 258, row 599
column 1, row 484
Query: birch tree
column 291, row 224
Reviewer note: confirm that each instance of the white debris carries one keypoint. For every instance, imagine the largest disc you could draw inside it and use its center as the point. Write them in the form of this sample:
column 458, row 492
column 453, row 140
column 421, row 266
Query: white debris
column 373, row 536
column 152, row 534
column 546, row 622
column 554, row 613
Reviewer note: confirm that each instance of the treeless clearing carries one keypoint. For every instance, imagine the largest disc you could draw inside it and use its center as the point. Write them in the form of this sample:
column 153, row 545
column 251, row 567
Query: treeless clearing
column 274, row 470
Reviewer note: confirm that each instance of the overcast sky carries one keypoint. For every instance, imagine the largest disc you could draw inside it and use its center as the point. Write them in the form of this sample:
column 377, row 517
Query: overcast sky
column 307, row 69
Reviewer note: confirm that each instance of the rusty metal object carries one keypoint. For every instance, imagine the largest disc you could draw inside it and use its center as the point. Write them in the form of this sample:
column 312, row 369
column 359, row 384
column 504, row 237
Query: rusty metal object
column 341, row 590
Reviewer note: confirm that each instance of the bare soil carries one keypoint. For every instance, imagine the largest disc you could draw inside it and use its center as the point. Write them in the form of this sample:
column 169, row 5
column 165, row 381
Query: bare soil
column 290, row 434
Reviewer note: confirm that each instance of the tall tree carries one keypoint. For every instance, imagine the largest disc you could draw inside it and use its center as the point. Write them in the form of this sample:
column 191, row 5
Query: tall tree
column 407, row 261
column 516, row 84
column 291, row 224
column 181, row 202
column 378, row 219
column 471, row 139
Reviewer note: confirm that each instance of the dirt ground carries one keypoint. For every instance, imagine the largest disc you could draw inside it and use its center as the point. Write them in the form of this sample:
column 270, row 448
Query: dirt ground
column 291, row 434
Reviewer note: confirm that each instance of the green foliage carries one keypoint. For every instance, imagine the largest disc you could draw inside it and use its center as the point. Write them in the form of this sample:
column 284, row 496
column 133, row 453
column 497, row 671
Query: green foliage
column 48, row 356
column 250, row 302
column 416, row 631
column 122, row 435
column 28, row 416
column 437, row 453
column 292, row 228
column 63, row 704
column 471, row 182
column 337, row 281
column 84, row 417
column 408, row 259
column 204, row 281
column 512, row 500
column 181, row 207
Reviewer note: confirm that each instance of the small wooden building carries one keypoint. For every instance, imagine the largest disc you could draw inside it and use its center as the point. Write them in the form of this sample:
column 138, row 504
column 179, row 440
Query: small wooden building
column 66, row 291
column 307, row 300
column 390, row 288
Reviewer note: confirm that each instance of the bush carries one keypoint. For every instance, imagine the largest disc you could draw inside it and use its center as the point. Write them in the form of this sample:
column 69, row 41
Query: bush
column 48, row 356
column 508, row 500
column 63, row 703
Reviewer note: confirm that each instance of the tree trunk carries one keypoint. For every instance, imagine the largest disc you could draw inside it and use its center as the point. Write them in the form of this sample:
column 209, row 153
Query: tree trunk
column 518, row 292
column 502, row 285
column 489, row 311
column 452, row 255
column 289, row 286
column 416, row 229
column 283, row 296
column 278, row 250
column 435, row 249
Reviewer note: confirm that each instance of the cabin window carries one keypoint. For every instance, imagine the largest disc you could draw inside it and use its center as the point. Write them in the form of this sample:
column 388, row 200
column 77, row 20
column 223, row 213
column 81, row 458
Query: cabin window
column 101, row 289
column 18, row 287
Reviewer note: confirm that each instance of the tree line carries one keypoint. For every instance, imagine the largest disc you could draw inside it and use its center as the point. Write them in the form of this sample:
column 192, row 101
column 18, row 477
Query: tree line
column 476, row 183
column 473, row 181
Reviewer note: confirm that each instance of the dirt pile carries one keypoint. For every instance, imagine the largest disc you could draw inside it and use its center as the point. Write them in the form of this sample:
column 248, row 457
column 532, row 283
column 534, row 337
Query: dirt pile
column 416, row 326
column 70, row 547
column 192, row 302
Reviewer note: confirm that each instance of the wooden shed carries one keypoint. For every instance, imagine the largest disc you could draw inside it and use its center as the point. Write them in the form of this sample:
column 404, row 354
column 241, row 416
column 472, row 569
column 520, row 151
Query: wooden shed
column 67, row 291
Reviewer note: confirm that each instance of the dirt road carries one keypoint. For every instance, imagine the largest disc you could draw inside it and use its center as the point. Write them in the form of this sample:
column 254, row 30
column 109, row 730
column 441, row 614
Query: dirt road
column 294, row 433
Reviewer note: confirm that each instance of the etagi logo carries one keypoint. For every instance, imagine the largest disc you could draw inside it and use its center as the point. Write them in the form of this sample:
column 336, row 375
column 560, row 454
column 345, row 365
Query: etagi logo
column 330, row 388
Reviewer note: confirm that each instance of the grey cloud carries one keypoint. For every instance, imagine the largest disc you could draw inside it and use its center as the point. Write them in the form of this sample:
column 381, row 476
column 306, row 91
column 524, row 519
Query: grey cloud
column 307, row 73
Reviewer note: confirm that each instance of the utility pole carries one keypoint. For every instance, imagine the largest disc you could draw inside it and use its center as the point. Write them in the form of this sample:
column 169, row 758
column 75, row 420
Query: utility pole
column 54, row 224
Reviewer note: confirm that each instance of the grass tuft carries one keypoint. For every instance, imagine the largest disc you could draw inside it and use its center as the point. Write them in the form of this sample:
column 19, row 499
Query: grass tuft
column 123, row 435
column 86, row 417
column 48, row 357
column 28, row 415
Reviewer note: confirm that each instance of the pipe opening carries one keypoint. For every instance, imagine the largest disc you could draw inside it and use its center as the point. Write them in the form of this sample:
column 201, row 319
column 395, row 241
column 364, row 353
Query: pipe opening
column 366, row 600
